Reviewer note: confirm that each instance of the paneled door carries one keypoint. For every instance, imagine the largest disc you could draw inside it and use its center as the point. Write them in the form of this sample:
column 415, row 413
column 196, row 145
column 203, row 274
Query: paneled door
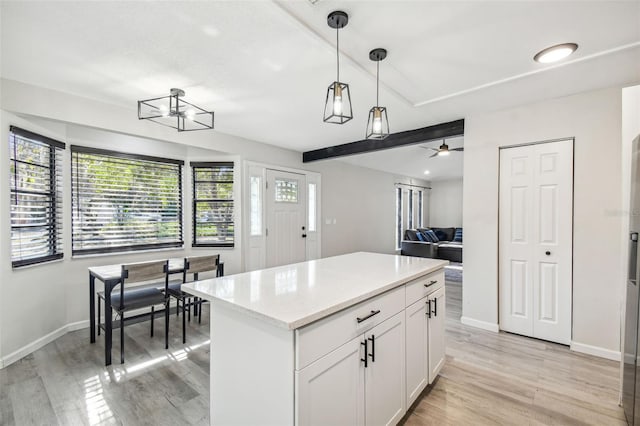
column 286, row 218
column 535, row 242
column 320, row 400
column 385, row 402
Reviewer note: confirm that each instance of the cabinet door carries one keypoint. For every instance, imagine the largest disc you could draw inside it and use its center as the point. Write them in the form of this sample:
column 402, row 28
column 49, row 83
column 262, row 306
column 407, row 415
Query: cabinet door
column 417, row 349
column 385, row 401
column 436, row 333
column 330, row 391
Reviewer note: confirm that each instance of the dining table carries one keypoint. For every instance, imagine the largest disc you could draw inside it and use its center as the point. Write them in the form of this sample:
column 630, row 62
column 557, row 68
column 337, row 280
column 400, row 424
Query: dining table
column 111, row 276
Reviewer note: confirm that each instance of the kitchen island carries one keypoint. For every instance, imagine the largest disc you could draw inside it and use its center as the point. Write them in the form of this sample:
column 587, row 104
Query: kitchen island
column 351, row 339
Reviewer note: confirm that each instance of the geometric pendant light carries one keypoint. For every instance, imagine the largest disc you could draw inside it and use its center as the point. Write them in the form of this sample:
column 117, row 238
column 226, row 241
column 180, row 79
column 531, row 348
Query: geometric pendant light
column 173, row 111
column 378, row 122
column 337, row 107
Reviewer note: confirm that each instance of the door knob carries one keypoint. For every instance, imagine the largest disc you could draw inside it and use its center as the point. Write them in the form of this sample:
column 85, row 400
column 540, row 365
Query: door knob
column 304, row 235
column 548, row 253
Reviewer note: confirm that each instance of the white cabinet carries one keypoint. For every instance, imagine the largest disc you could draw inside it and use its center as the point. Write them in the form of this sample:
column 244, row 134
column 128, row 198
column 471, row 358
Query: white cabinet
column 331, row 390
column 425, row 349
column 368, row 371
column 385, row 372
column 436, row 303
column 417, row 349
column 367, row 364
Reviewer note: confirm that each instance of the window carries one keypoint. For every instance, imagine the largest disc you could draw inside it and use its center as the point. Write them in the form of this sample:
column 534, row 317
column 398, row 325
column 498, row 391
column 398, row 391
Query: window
column 256, row 206
column 213, row 204
column 124, row 202
column 36, row 197
column 410, row 208
column 312, row 207
column 286, row 191
column 398, row 218
column 420, row 210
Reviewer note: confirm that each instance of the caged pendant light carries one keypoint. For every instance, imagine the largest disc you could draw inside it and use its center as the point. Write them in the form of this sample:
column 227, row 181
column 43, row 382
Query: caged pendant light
column 378, row 122
column 173, row 111
column 337, row 107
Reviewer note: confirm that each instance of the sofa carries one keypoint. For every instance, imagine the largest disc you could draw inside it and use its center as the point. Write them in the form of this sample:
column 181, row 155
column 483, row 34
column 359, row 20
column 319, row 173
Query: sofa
column 437, row 243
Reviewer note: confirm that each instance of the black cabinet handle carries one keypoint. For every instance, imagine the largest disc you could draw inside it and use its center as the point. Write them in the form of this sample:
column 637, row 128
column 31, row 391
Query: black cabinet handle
column 435, row 307
column 366, row 351
column 430, row 283
column 368, row 316
column 428, row 303
column 373, row 348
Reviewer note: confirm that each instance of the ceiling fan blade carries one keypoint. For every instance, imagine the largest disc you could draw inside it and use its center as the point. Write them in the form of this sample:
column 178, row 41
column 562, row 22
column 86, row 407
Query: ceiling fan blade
column 434, row 155
column 428, row 148
column 457, row 149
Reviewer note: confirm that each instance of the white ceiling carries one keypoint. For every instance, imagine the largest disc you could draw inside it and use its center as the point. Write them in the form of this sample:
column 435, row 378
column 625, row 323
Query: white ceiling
column 413, row 160
column 264, row 66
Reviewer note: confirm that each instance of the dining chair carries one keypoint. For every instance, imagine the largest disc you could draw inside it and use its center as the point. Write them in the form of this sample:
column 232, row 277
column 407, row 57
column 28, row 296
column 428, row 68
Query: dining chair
column 192, row 265
column 129, row 297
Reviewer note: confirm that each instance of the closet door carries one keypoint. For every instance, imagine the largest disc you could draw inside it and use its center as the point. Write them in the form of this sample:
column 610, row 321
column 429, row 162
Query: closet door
column 535, row 260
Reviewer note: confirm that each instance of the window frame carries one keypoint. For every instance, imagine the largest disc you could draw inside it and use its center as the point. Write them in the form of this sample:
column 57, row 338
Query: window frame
column 410, row 210
column 399, row 218
column 129, row 156
column 54, row 231
column 420, row 209
column 194, row 200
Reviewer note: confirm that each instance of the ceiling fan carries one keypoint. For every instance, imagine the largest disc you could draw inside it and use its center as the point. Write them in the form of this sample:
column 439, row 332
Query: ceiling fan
column 443, row 150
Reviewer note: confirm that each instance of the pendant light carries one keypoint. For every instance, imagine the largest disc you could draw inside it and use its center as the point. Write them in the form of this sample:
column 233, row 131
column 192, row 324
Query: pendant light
column 337, row 107
column 378, row 122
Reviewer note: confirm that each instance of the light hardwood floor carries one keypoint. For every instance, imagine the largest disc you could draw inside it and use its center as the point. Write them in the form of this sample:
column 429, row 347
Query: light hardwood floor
column 488, row 378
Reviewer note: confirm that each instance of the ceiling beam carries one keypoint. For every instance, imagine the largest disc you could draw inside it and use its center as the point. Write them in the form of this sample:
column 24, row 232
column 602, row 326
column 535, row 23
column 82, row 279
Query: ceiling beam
column 394, row 140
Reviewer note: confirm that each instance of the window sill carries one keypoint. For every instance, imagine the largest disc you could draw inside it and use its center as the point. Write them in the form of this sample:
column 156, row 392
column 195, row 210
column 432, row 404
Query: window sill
column 35, row 265
column 125, row 253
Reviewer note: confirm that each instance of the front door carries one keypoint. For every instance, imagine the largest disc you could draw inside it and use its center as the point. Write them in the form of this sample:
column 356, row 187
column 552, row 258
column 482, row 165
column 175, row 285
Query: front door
column 286, row 218
column 536, row 221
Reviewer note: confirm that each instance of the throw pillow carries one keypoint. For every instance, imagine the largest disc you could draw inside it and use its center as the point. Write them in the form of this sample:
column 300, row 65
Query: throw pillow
column 420, row 236
column 426, row 237
column 431, row 236
column 458, row 235
column 442, row 236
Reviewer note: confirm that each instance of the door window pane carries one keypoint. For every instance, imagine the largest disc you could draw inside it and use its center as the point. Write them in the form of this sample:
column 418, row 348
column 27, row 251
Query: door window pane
column 256, row 206
column 312, row 207
column 286, row 191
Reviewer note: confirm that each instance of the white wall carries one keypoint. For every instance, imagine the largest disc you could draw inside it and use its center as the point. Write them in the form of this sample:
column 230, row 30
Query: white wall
column 445, row 203
column 363, row 204
column 44, row 299
column 594, row 119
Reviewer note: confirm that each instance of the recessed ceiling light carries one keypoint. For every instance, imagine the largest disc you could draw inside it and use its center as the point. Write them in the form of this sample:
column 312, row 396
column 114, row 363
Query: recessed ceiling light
column 555, row 53
column 426, row 172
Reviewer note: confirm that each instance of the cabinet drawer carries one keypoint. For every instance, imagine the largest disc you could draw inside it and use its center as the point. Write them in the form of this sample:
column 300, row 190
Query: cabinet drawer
column 421, row 287
column 323, row 336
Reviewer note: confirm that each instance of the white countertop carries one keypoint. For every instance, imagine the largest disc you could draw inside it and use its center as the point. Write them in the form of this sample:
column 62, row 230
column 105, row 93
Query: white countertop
column 293, row 296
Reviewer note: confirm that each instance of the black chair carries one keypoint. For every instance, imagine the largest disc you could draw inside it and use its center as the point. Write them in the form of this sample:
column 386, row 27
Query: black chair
column 192, row 265
column 129, row 297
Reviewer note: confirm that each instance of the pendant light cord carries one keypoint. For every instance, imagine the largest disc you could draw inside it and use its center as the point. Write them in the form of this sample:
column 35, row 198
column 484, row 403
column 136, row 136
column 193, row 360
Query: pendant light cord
column 377, row 83
column 338, row 53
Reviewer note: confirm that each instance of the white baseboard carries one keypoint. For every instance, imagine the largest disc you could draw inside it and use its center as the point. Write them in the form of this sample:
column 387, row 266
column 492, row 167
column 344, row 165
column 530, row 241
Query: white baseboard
column 44, row 340
column 595, row 351
column 489, row 326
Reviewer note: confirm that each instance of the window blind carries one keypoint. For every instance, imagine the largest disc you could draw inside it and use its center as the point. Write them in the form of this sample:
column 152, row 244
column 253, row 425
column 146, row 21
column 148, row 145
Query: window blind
column 213, row 224
column 124, row 202
column 36, row 197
